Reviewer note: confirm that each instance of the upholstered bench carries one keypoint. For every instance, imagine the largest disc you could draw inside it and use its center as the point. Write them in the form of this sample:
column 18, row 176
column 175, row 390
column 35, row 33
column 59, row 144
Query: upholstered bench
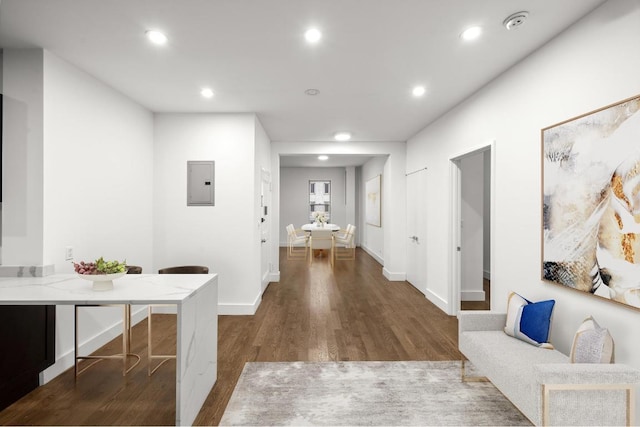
column 541, row 382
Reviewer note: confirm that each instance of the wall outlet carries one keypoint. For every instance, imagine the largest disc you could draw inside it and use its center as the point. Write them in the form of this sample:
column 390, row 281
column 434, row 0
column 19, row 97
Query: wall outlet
column 68, row 253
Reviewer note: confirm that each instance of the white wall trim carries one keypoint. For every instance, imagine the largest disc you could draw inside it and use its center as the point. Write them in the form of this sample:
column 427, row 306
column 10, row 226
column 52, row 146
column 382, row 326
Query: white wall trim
column 239, row 309
column 394, row 276
column 373, row 254
column 93, row 343
column 486, row 275
column 274, row 276
column 472, row 295
column 439, row 302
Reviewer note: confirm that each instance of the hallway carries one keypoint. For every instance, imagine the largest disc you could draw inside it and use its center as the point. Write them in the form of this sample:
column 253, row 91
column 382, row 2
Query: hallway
column 313, row 314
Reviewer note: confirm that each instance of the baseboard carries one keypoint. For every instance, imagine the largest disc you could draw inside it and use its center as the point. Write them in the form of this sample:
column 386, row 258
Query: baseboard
column 416, row 288
column 439, row 302
column 375, row 256
column 67, row 361
column 226, row 309
column 472, row 295
column 274, row 276
column 390, row 275
column 394, row 277
column 486, row 275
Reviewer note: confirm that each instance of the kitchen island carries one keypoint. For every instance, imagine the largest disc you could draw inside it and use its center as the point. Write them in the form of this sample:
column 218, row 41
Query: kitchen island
column 194, row 295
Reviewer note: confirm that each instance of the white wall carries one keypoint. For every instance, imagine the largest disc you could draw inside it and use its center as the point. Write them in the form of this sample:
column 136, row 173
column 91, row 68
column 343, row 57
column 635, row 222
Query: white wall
column 83, row 177
column 223, row 237
column 370, row 236
column 592, row 64
column 472, row 231
column 393, row 186
column 98, row 170
column 294, row 196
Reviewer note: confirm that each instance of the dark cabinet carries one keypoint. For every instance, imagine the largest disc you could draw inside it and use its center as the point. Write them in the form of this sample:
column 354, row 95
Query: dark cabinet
column 27, row 337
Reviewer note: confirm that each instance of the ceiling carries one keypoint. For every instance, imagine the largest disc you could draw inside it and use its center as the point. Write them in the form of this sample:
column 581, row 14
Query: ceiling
column 254, row 56
column 334, row 160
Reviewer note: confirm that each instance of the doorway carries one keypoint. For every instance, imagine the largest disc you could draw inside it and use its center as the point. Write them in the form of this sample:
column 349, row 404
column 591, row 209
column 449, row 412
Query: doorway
column 417, row 210
column 472, row 180
column 265, row 224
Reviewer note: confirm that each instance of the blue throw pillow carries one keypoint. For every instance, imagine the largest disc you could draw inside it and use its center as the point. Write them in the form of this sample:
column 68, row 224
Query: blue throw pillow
column 529, row 321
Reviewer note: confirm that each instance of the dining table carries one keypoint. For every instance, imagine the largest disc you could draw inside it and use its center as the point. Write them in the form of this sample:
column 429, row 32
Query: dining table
column 194, row 295
column 313, row 226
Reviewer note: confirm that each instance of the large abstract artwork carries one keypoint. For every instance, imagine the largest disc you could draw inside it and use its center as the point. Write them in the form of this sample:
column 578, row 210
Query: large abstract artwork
column 591, row 203
column 372, row 206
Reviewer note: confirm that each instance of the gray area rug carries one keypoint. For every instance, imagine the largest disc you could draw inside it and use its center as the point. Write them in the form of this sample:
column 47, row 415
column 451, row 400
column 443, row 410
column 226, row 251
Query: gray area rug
column 364, row 393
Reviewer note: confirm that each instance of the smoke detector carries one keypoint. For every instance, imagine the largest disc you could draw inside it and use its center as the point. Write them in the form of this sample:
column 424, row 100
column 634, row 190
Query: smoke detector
column 515, row 20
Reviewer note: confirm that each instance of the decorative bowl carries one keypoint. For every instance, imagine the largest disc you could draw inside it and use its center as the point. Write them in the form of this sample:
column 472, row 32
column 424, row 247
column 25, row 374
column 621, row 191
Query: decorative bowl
column 102, row 282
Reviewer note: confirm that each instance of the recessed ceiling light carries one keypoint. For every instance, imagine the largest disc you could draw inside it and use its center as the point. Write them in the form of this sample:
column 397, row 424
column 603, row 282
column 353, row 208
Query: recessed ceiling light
column 312, row 92
column 323, row 157
column 471, row 33
column 156, row 37
column 342, row 136
column 206, row 92
column 313, row 35
column 418, row 91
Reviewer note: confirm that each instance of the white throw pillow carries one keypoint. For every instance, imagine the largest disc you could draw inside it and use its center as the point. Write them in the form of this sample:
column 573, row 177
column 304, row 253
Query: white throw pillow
column 592, row 344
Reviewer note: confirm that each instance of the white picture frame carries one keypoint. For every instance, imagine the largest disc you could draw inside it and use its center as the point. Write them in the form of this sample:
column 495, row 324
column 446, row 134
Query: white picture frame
column 373, row 201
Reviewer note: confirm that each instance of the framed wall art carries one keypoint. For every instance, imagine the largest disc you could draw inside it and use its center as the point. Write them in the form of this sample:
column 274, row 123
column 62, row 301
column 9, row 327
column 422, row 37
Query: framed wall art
column 591, row 203
column 373, row 201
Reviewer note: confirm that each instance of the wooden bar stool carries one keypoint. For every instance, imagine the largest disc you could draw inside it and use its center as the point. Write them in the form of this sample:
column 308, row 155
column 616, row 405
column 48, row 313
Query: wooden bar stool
column 126, row 336
column 185, row 269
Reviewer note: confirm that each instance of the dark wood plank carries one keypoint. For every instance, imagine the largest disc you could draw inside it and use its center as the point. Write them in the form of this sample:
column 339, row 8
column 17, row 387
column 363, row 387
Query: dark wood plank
column 315, row 313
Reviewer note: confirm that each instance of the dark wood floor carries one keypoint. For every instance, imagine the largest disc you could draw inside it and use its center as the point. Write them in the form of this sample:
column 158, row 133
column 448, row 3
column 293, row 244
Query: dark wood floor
column 313, row 314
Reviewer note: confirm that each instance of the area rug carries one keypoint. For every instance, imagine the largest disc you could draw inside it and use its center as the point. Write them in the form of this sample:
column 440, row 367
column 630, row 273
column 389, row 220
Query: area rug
column 364, row 393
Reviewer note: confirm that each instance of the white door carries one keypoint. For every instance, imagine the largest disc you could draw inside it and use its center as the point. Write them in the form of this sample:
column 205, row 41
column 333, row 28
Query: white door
column 417, row 230
column 265, row 215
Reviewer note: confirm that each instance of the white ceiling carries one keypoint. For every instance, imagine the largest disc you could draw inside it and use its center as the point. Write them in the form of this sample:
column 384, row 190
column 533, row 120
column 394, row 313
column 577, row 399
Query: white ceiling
column 334, row 160
column 253, row 54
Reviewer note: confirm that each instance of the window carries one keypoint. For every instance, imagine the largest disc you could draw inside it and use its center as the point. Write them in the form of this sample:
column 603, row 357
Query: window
column 319, row 198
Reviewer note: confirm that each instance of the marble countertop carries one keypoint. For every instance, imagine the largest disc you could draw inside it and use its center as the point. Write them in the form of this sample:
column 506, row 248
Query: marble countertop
column 129, row 289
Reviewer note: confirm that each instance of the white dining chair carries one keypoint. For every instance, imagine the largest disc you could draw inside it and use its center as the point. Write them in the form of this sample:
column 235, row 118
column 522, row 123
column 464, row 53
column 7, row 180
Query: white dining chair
column 344, row 247
column 321, row 239
column 343, row 232
column 297, row 244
